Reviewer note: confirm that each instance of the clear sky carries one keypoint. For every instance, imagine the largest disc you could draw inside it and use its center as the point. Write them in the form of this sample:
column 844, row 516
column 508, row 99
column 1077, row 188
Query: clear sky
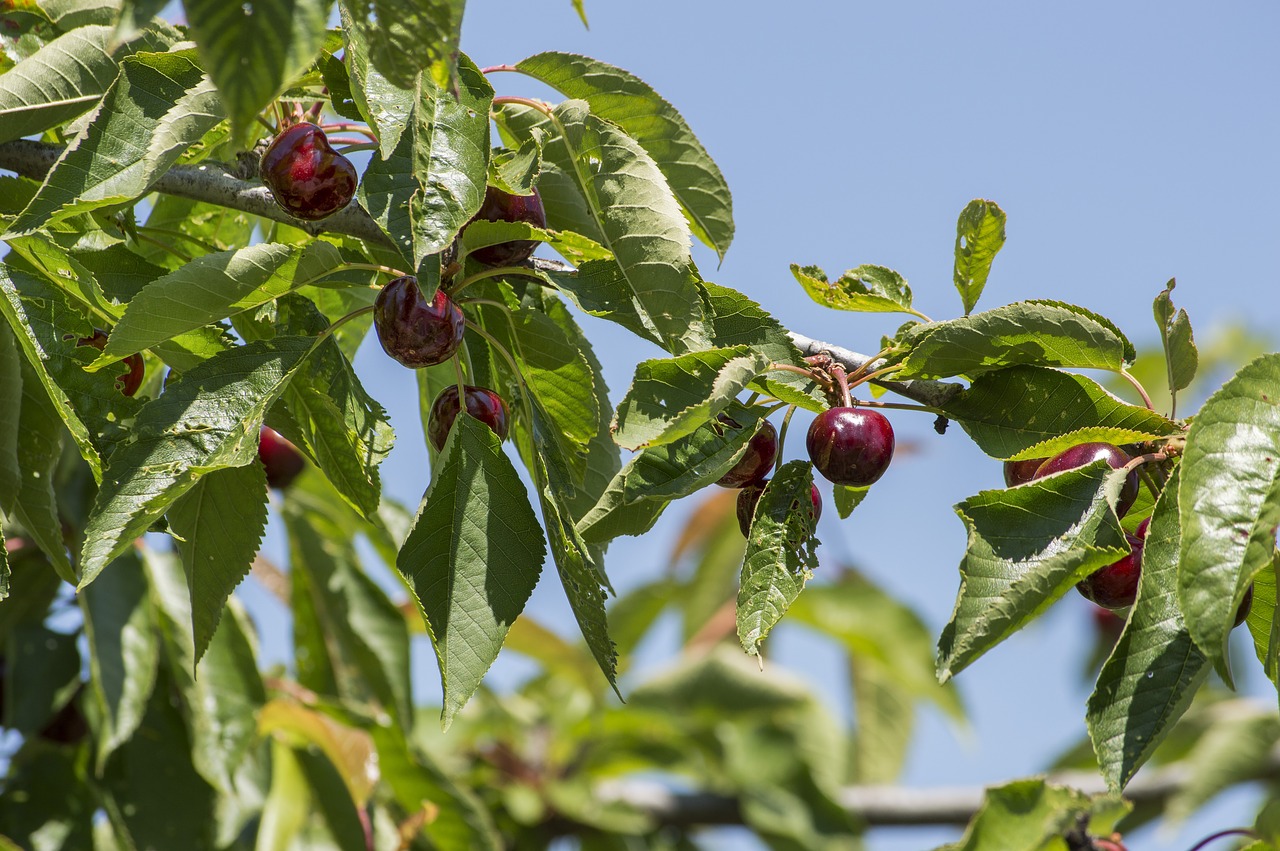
column 1128, row 143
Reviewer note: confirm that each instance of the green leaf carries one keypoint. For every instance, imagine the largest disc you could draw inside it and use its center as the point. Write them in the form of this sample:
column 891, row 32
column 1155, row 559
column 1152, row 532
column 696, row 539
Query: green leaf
column 979, row 238
column 848, row 498
column 472, row 558
column 670, row 398
column 66, row 77
column 405, row 37
column 206, row 420
column 624, row 99
column 433, row 181
column 516, row 172
column 47, row 328
column 655, row 476
column 159, row 105
column 1155, row 669
column 225, row 693
column 214, row 286
column 631, row 211
column 738, row 321
column 135, row 15
column 289, row 802
column 1229, row 500
column 462, row 822
column 1032, row 333
column 46, row 798
column 218, row 525
column 1027, row 546
column 42, row 676
column 1018, row 413
column 869, row 289
column 348, row 748
column 155, row 792
column 386, row 106
column 780, row 553
column 562, row 380
column 1263, row 625
column 253, row 50
column 1232, row 751
column 124, row 651
column 1180, row 355
column 39, row 449
column 1032, row 815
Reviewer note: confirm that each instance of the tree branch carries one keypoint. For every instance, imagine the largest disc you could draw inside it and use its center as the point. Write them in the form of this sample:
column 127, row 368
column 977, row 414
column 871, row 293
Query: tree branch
column 218, row 183
column 893, row 806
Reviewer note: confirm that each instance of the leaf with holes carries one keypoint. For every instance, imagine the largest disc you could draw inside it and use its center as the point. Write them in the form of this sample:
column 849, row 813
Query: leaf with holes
column 979, row 238
column 869, row 289
column 1180, row 355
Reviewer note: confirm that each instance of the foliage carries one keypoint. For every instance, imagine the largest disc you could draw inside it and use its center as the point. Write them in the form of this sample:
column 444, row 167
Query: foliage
column 151, row 509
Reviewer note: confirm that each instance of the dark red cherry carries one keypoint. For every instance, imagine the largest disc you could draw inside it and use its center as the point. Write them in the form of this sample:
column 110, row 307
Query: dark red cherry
column 482, row 403
column 749, row 498
column 1141, row 531
column 133, row 369
column 1116, row 585
column 753, row 466
column 850, row 446
column 1021, row 472
column 1245, row 605
column 499, row 206
column 307, row 177
column 281, row 458
column 1086, row 453
column 414, row 331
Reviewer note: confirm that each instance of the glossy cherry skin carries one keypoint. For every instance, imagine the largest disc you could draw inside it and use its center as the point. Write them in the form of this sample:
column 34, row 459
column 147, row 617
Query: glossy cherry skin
column 499, row 206
column 482, row 403
column 415, row 331
column 762, row 450
column 1245, row 605
column 134, row 369
column 850, row 446
column 1116, row 585
column 281, row 458
column 1021, row 472
column 307, row 177
column 749, row 498
column 1086, row 453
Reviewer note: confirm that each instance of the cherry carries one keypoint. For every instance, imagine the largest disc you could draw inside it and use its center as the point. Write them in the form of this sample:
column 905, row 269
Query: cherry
column 307, row 177
column 134, row 369
column 850, row 446
column 749, row 498
column 753, row 466
column 1245, row 605
column 1085, row 453
column 414, row 331
column 1021, row 472
column 499, row 206
column 1116, row 585
column 281, row 458
column 482, row 403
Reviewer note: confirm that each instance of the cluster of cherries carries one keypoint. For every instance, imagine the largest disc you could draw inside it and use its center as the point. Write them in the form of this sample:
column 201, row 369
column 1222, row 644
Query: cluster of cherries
column 1116, row 585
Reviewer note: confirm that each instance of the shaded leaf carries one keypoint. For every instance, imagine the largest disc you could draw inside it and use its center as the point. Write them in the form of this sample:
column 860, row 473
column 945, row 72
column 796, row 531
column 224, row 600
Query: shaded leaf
column 11, row 390
column 516, row 172
column 39, row 448
column 1028, row 815
column 979, row 238
column 1229, row 500
column 348, row 748
column 472, row 558
column 386, row 106
column 406, row 37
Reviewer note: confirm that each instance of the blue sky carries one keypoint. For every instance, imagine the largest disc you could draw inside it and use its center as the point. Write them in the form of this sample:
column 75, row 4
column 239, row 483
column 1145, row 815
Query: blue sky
column 1128, row 143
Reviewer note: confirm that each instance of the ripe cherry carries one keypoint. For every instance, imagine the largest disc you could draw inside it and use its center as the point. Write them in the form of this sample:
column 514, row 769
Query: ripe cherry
column 1116, row 585
column 1021, row 472
column 850, row 446
column 307, row 177
column 134, row 370
column 749, row 498
column 281, row 458
column 1086, row 453
column 414, row 331
column 482, row 403
column 753, row 466
column 499, row 206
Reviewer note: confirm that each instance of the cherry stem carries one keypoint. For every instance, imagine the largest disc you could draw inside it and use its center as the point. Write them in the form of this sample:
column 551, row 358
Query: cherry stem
column 369, row 267
column 799, row 370
column 782, row 434
column 493, row 69
column 207, row 246
column 1222, row 834
column 462, row 383
column 540, row 106
column 1137, row 385
column 515, row 369
column 843, row 380
column 343, row 320
column 872, row 376
column 347, row 143
column 273, row 128
column 897, row 406
column 349, row 127
column 316, row 109
column 1137, row 462
column 860, row 371
column 500, row 272
column 352, row 146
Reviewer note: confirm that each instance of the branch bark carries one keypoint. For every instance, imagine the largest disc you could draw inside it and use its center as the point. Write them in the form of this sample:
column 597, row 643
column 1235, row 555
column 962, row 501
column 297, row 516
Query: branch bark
column 221, row 184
